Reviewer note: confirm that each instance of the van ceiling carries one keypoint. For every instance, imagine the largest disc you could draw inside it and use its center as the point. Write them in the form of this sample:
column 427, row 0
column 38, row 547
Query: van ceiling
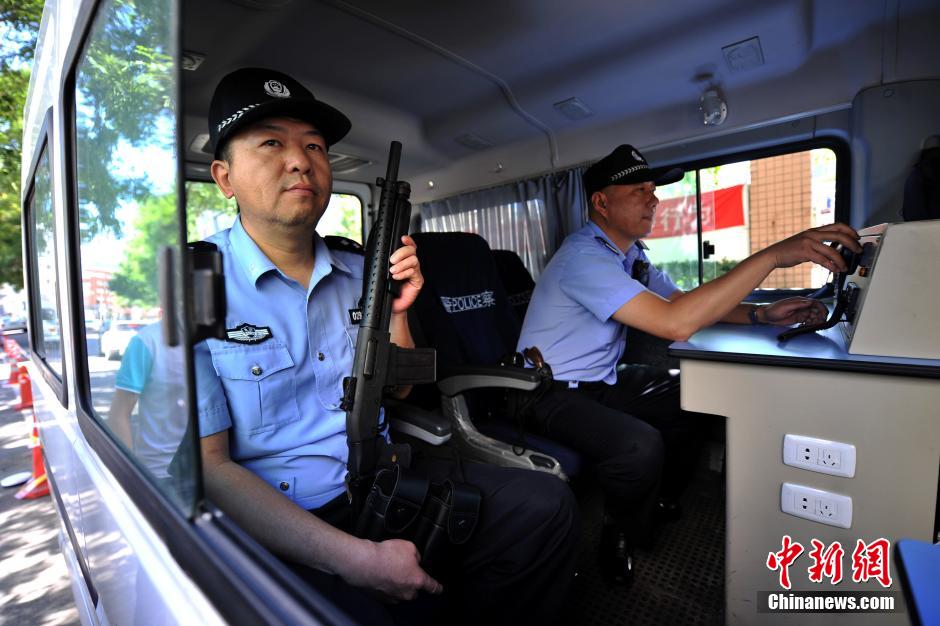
column 428, row 73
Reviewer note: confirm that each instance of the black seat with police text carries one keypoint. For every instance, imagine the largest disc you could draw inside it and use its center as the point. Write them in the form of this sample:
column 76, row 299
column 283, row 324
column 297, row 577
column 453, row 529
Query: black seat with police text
column 464, row 313
column 516, row 279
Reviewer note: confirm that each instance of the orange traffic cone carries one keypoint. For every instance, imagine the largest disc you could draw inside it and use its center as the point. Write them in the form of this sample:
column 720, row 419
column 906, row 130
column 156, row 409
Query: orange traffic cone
column 26, row 388
column 38, row 486
column 14, row 355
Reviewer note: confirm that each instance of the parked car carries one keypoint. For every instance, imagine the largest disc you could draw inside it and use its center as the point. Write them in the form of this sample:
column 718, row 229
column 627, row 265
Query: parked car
column 114, row 340
column 12, row 322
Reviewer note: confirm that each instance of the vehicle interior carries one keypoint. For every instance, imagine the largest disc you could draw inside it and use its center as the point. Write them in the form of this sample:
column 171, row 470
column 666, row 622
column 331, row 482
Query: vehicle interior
column 499, row 109
column 484, row 97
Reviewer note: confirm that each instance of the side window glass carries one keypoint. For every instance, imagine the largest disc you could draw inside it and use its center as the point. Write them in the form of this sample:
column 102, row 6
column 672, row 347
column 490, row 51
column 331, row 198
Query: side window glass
column 745, row 207
column 343, row 216
column 46, row 324
column 125, row 124
column 208, row 212
column 673, row 242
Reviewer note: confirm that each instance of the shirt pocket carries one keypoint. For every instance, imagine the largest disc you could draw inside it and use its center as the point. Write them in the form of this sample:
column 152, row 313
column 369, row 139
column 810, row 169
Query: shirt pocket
column 259, row 385
column 352, row 335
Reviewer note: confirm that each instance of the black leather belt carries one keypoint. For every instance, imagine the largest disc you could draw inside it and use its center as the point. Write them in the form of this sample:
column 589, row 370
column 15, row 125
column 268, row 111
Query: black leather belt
column 559, row 385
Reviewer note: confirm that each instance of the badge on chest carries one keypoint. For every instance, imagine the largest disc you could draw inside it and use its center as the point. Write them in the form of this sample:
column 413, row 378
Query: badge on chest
column 248, row 333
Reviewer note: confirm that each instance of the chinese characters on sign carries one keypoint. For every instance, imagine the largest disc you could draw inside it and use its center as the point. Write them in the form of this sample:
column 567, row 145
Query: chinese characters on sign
column 869, row 561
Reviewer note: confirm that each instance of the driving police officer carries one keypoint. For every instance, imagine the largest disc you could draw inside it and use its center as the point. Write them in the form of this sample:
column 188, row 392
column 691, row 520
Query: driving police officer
column 599, row 282
column 273, row 436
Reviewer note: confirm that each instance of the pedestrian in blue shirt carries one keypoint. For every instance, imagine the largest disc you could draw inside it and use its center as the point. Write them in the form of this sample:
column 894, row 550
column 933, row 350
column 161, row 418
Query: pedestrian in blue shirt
column 598, row 283
column 273, row 435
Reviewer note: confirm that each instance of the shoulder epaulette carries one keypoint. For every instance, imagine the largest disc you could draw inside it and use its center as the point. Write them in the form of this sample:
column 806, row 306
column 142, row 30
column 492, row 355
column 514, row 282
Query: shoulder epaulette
column 337, row 242
column 607, row 245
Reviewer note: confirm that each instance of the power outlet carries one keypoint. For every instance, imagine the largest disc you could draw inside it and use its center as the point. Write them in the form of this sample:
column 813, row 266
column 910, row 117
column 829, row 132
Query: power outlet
column 808, row 454
column 830, row 458
column 819, row 455
column 826, row 508
column 817, row 505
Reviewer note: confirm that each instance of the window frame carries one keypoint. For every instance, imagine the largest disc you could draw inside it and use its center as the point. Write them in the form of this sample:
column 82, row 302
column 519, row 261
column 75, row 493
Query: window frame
column 243, row 581
column 58, row 382
column 841, row 208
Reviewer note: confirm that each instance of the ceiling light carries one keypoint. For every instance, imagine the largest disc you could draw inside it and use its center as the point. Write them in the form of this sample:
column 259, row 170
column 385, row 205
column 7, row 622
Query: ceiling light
column 713, row 107
column 573, row 109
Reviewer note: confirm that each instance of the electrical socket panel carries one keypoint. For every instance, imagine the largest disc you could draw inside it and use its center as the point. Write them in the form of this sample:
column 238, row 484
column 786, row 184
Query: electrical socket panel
column 819, row 455
column 817, row 505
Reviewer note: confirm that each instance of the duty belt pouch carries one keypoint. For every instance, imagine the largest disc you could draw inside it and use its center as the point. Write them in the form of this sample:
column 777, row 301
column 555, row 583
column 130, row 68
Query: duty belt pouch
column 448, row 518
column 433, row 516
column 393, row 503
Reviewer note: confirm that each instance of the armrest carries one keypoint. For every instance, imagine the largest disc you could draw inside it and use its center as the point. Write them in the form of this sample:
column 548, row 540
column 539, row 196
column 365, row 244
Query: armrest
column 427, row 426
column 456, row 380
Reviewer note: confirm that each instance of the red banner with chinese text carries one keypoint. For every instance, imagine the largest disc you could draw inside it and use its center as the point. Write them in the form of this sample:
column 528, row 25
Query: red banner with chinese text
column 722, row 208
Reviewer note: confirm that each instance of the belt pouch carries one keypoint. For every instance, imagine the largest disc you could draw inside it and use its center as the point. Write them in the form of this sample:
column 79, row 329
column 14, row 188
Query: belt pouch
column 430, row 536
column 393, row 503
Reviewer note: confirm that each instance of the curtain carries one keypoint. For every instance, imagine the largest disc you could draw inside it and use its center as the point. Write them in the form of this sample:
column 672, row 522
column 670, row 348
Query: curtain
column 530, row 217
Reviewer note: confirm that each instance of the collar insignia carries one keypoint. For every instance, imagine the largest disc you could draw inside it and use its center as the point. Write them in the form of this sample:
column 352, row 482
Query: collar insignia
column 248, row 333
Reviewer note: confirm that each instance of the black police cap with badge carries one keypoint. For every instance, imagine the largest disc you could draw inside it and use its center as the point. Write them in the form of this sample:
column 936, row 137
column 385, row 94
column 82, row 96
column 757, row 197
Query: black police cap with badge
column 251, row 94
column 626, row 166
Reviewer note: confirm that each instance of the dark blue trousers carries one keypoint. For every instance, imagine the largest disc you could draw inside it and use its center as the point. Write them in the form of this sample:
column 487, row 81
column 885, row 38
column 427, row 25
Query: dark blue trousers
column 641, row 443
column 516, row 568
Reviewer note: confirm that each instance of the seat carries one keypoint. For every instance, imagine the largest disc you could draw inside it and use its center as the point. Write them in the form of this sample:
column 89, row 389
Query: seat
column 464, row 313
column 516, row 279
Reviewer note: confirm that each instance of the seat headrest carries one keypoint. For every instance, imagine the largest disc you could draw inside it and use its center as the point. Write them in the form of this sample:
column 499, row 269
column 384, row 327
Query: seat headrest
column 512, row 270
column 463, row 308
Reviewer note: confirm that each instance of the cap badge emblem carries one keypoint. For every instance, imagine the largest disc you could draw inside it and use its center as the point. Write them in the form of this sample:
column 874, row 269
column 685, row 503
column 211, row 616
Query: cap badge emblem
column 636, row 156
column 276, row 89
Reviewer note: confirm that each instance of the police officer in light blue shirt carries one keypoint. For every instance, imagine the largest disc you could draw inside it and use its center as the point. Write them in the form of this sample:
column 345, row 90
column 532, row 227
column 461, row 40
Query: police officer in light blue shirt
column 272, row 434
column 591, row 278
column 598, row 283
column 282, row 375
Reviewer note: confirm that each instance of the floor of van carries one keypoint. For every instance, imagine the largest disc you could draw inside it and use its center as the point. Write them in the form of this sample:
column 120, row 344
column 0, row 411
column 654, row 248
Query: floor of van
column 680, row 580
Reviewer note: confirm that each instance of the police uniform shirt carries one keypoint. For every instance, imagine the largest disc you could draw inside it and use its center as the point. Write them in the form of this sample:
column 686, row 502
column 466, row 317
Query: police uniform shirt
column 569, row 316
column 276, row 382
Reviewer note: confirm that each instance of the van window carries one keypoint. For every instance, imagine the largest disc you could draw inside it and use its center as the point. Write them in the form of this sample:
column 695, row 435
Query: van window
column 745, row 207
column 343, row 216
column 208, row 212
column 530, row 217
column 47, row 333
column 125, row 129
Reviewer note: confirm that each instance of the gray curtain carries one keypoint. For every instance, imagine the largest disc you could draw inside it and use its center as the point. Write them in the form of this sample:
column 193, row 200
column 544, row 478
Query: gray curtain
column 529, row 217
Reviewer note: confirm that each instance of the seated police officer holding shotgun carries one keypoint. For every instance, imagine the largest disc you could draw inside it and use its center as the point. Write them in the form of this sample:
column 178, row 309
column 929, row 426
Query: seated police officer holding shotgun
column 273, row 434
